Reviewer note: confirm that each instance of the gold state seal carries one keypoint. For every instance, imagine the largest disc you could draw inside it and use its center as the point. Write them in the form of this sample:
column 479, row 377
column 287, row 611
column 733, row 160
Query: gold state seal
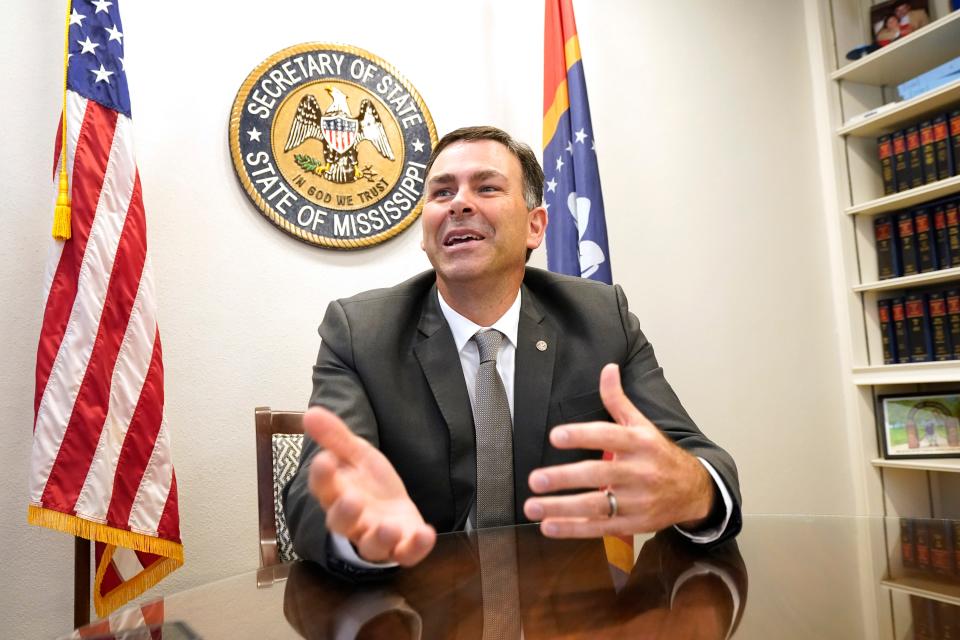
column 330, row 143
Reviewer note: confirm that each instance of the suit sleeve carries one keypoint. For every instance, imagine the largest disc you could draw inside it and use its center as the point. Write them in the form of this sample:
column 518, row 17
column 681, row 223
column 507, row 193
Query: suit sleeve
column 338, row 387
column 644, row 383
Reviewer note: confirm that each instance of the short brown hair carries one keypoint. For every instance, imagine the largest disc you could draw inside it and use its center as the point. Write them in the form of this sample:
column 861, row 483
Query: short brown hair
column 532, row 174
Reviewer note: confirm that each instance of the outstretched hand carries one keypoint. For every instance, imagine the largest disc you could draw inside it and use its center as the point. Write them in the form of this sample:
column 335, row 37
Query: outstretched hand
column 363, row 496
column 655, row 483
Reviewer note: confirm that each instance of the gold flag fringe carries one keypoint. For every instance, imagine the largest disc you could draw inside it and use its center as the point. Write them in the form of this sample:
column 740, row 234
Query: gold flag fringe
column 61, row 212
column 172, row 553
column 130, row 589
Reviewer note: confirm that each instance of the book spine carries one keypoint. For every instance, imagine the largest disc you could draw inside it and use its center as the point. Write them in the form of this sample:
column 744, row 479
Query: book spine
column 921, row 534
column 907, row 241
column 948, row 620
column 901, row 177
column 927, row 152
column 940, row 237
column 887, row 337
column 918, row 328
column 922, row 614
column 953, row 320
column 953, row 231
column 888, row 262
column 955, row 525
column 926, row 246
column 885, row 151
column 939, row 327
column 900, row 330
column 908, row 551
column 941, row 549
column 941, row 148
column 954, row 126
column 914, row 158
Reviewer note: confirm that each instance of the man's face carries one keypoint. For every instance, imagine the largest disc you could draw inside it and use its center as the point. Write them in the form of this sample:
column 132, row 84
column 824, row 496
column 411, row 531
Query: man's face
column 475, row 221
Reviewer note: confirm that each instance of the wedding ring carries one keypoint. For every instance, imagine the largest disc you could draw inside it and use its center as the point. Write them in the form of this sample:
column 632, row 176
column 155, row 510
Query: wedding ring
column 612, row 499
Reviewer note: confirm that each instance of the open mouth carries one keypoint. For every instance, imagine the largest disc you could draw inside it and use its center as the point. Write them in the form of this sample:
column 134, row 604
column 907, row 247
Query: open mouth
column 455, row 239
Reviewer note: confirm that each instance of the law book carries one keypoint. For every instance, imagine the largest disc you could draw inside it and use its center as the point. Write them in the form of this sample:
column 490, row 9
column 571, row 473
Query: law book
column 926, row 245
column 954, row 126
column 939, row 327
column 941, row 147
column 955, row 525
column 887, row 336
column 948, row 619
column 941, row 548
column 908, row 551
column 940, row 238
column 900, row 330
column 888, row 257
column 952, row 212
column 885, row 151
column 918, row 327
column 914, row 158
column 953, row 320
column 927, row 152
column 907, row 243
column 901, row 176
column 921, row 537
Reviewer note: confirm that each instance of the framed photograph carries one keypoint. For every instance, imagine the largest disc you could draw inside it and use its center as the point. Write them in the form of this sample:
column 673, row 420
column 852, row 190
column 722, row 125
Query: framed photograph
column 894, row 19
column 920, row 425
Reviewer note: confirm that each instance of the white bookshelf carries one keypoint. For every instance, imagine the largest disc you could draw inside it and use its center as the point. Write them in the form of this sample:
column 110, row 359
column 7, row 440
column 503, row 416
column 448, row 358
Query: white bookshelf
column 944, row 465
column 888, row 119
column 904, row 199
column 925, row 588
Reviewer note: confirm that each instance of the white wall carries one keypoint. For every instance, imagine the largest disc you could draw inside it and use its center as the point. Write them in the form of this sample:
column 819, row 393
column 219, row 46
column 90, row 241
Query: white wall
column 703, row 116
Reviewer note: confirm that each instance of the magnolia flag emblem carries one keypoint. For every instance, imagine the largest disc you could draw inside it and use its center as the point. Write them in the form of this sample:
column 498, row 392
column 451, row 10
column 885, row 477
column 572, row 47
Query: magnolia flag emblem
column 100, row 465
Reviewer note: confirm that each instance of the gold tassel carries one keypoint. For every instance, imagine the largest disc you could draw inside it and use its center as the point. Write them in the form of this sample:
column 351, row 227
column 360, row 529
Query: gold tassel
column 61, row 213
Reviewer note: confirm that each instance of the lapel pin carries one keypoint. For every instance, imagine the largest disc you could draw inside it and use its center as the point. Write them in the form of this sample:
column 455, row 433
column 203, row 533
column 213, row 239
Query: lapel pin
column 541, row 345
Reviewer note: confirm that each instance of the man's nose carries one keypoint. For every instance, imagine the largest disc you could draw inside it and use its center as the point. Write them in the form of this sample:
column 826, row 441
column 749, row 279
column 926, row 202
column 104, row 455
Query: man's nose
column 461, row 204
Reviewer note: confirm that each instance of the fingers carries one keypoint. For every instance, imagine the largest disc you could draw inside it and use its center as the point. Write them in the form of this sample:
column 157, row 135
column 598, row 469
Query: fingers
column 588, row 528
column 592, row 504
column 415, row 548
column 603, row 436
column 377, row 544
column 322, row 480
column 615, row 401
column 331, row 433
column 589, row 474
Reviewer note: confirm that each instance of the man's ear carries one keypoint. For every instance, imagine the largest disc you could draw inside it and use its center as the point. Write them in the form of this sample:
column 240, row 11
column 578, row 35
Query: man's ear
column 537, row 227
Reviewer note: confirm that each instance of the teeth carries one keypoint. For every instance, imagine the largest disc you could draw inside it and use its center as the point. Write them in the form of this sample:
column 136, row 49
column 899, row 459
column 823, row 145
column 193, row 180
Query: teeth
column 457, row 239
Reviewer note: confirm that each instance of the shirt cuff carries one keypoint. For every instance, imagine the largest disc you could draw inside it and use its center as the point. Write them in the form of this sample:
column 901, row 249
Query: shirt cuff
column 341, row 549
column 712, row 535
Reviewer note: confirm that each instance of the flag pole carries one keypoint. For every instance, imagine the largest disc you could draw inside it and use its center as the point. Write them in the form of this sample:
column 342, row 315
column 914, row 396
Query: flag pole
column 81, row 582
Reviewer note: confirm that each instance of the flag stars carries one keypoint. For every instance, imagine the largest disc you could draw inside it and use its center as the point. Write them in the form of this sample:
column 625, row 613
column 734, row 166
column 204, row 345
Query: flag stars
column 569, row 148
column 552, row 185
column 254, row 134
column 102, row 74
column 77, row 18
column 115, row 34
column 88, row 46
column 123, row 65
column 559, row 163
column 581, row 135
column 418, row 146
column 101, row 5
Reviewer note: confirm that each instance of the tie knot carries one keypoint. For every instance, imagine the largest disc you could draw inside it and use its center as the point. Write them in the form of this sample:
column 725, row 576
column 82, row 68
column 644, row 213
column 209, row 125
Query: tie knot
column 488, row 343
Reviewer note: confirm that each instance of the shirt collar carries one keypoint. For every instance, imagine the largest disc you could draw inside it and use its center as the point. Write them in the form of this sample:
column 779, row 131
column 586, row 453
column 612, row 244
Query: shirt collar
column 463, row 328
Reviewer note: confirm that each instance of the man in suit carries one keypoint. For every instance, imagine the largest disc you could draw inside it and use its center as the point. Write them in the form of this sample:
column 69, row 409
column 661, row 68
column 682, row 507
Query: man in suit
column 396, row 418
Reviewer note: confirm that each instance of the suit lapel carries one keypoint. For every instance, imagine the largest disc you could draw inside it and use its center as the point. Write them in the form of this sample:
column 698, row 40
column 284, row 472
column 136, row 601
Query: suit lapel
column 440, row 362
column 533, row 379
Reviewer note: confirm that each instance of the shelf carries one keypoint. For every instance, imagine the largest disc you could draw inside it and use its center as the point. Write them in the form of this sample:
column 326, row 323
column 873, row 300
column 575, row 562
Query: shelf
column 932, row 589
column 913, row 373
column 905, row 113
column 946, row 465
column 920, row 279
column 904, row 199
column 920, row 51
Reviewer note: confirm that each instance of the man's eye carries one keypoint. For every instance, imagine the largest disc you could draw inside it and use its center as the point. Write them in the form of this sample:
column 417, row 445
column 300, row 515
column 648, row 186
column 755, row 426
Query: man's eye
column 488, row 188
column 441, row 193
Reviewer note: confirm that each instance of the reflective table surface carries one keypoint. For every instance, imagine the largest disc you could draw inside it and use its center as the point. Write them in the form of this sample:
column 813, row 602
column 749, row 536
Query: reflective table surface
column 784, row 577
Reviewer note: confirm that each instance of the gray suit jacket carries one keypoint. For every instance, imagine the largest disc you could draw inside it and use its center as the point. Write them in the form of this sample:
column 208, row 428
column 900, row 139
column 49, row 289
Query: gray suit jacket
column 388, row 366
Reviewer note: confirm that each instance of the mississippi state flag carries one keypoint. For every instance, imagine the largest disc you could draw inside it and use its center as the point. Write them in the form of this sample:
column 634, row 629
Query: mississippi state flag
column 100, row 465
column 577, row 233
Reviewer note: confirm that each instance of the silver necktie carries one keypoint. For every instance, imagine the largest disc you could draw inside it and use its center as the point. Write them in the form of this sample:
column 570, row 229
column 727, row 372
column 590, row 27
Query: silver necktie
column 494, row 430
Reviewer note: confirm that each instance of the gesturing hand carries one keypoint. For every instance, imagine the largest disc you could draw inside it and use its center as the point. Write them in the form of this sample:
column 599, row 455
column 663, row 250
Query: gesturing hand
column 656, row 483
column 363, row 496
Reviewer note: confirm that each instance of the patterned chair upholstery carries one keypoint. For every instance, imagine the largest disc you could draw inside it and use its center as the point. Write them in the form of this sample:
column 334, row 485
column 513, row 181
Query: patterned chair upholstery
column 279, row 440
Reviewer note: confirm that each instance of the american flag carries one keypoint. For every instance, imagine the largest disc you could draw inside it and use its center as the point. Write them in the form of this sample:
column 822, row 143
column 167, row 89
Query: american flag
column 101, row 466
column 577, row 233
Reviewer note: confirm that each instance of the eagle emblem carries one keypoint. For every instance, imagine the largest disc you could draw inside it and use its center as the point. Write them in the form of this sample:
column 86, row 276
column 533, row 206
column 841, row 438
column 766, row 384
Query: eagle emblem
column 340, row 133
